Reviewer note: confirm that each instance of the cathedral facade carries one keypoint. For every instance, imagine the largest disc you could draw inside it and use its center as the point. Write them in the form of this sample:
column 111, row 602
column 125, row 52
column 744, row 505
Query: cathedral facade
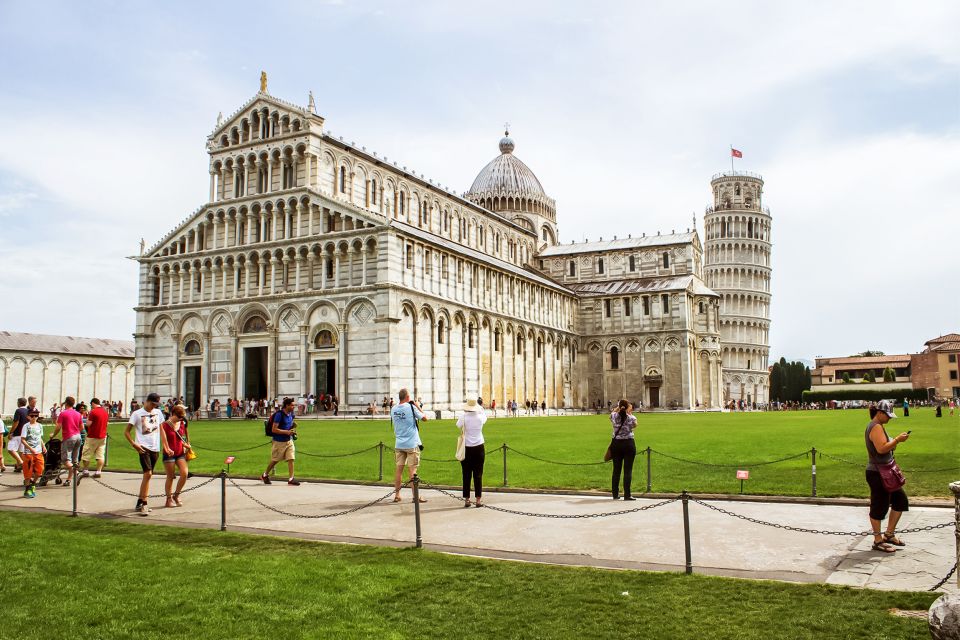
column 318, row 267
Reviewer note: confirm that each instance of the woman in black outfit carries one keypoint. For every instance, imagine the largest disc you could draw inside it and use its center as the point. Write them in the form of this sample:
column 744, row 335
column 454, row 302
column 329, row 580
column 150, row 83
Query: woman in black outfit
column 623, row 448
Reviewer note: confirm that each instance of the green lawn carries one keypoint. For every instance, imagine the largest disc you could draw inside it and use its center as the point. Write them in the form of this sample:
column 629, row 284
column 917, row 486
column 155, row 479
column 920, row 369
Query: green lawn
column 722, row 438
column 89, row 578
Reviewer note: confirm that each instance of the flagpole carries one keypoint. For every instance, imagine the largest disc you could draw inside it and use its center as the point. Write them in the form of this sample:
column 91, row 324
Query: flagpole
column 731, row 160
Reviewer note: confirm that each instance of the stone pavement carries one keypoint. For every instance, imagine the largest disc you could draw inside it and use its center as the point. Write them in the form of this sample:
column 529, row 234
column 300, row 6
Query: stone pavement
column 648, row 540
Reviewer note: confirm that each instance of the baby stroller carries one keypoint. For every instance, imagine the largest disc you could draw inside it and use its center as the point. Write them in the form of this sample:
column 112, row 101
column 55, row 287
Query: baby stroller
column 52, row 467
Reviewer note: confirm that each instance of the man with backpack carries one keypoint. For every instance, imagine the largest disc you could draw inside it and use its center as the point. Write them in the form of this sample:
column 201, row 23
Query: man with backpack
column 281, row 427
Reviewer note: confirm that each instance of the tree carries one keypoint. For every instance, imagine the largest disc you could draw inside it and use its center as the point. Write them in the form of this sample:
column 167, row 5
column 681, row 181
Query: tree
column 889, row 375
column 788, row 381
column 846, row 377
column 869, row 376
column 868, row 354
column 776, row 382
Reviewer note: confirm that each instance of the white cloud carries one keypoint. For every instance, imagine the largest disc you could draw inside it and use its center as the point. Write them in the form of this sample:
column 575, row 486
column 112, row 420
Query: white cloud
column 15, row 201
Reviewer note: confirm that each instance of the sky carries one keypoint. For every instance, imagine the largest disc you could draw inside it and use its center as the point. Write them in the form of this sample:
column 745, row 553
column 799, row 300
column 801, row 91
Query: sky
column 624, row 110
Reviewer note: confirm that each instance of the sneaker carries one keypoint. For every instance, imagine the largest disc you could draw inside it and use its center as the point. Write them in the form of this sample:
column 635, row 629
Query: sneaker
column 265, row 478
column 96, row 474
column 26, row 493
column 293, row 483
column 33, row 491
column 143, row 509
column 85, row 474
column 67, row 483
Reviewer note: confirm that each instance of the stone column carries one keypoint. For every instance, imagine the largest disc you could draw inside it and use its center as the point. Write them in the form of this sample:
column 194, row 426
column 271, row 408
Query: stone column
column 267, row 183
column 175, row 374
column 180, row 287
column 307, row 170
column 305, row 370
column 160, row 297
column 336, row 269
column 296, row 228
column 363, row 272
column 310, row 208
column 311, row 265
column 284, row 271
column 263, row 274
column 212, row 185
column 296, row 280
column 204, row 277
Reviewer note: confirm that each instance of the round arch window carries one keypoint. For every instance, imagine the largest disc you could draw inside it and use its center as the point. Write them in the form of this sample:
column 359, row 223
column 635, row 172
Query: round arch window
column 192, row 348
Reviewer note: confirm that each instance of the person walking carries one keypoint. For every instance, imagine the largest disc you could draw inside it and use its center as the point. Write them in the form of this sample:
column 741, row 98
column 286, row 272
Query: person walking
column 906, row 408
column 20, row 419
column 94, row 448
column 70, row 422
column 284, row 431
column 471, row 424
column 623, row 448
column 143, row 434
column 405, row 418
column 32, row 452
column 175, row 442
column 3, row 437
column 880, row 448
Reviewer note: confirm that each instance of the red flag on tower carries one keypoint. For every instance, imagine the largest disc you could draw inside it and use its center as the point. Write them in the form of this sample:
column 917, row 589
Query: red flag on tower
column 735, row 153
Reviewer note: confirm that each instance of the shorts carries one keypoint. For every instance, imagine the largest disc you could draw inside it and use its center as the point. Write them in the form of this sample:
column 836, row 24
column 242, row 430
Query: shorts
column 94, row 449
column 148, row 460
column 882, row 500
column 13, row 445
column 282, row 451
column 181, row 456
column 32, row 465
column 70, row 450
column 407, row 457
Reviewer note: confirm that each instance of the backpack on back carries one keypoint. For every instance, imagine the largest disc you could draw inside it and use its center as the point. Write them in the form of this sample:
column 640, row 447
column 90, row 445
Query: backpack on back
column 268, row 424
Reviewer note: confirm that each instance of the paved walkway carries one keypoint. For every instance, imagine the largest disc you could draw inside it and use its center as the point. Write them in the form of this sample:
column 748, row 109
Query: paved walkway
column 651, row 539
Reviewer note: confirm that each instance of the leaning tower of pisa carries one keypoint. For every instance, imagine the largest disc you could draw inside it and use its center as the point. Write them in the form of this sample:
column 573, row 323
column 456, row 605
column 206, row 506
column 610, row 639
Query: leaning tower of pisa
column 737, row 266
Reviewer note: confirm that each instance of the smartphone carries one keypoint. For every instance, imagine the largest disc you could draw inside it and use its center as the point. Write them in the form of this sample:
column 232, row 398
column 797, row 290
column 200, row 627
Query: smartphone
column 909, row 432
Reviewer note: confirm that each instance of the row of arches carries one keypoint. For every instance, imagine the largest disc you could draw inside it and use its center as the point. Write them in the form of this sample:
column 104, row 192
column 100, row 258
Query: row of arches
column 51, row 378
column 756, row 279
column 345, row 262
column 736, row 253
column 737, row 226
column 259, row 124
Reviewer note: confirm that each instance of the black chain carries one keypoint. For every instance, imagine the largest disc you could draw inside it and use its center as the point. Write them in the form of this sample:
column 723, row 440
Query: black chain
column 312, row 517
column 862, row 464
column 158, row 495
column 336, row 455
column 566, row 464
column 560, row 516
column 195, row 446
column 431, row 459
column 730, row 466
column 945, row 578
column 788, row 527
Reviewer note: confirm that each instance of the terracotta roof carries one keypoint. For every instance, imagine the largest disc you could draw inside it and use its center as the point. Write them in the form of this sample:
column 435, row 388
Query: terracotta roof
column 946, row 346
column 39, row 343
column 853, row 361
column 950, row 337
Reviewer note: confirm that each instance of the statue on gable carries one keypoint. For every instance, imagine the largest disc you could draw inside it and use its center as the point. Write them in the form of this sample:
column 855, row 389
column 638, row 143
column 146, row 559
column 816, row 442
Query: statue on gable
column 263, row 82
column 220, row 118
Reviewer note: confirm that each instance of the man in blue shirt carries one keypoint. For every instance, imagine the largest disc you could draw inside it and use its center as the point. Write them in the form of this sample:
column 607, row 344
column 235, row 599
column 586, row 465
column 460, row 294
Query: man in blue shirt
column 407, row 446
column 284, row 431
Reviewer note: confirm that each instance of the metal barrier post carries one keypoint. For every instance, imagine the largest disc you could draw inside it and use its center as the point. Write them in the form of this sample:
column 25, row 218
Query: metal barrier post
column 955, row 488
column 223, row 500
column 380, row 474
column 648, row 470
column 813, row 470
column 416, row 508
column 686, row 530
column 73, row 485
column 504, row 447
column 106, row 450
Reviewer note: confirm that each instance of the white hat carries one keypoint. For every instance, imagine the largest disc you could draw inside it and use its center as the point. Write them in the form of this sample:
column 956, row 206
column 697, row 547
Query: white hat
column 471, row 405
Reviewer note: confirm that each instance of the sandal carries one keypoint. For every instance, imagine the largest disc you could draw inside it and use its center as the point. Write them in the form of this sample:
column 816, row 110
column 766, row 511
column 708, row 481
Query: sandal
column 478, row 503
column 420, row 500
column 466, row 502
column 396, row 497
column 892, row 538
column 169, row 504
column 883, row 546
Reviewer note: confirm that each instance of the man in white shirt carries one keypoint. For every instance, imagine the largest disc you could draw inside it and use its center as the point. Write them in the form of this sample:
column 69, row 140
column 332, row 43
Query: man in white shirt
column 143, row 434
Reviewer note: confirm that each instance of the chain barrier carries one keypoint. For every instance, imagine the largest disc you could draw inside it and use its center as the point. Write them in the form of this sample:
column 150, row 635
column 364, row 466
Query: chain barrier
column 158, row 495
column 316, row 516
column 196, row 446
column 431, row 459
column 566, row 464
column 788, row 527
column 730, row 466
column 337, row 455
column 863, row 464
column 558, row 516
column 945, row 578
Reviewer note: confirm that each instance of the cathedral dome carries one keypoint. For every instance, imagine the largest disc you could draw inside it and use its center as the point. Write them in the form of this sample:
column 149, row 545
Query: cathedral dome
column 507, row 175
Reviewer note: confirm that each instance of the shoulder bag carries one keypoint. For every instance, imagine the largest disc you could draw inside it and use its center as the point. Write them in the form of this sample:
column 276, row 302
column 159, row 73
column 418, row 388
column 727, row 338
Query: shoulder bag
column 890, row 473
column 462, row 443
column 608, row 456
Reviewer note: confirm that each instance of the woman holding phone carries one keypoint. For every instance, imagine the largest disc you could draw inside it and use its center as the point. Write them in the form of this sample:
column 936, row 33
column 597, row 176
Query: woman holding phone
column 880, row 448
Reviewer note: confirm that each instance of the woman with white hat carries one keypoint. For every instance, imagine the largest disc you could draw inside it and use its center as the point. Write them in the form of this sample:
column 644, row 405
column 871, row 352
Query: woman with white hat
column 471, row 424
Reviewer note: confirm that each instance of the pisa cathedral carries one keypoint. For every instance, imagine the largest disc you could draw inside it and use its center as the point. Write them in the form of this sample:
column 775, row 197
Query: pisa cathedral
column 317, row 266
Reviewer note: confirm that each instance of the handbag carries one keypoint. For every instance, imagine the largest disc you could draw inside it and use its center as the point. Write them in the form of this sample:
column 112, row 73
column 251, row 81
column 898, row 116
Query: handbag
column 189, row 453
column 891, row 475
column 461, row 444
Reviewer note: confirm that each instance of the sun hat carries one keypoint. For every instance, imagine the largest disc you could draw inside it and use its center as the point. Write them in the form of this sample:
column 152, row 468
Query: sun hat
column 471, row 405
column 885, row 407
